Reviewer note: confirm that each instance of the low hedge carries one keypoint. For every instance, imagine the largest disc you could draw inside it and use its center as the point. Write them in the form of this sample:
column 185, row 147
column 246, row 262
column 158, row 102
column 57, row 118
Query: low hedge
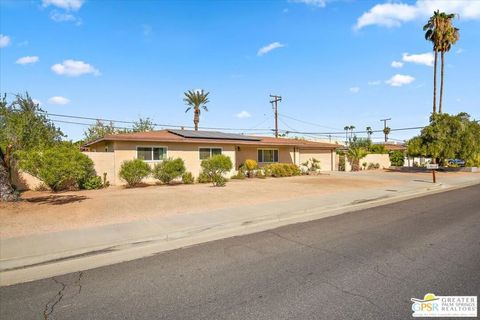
column 282, row 170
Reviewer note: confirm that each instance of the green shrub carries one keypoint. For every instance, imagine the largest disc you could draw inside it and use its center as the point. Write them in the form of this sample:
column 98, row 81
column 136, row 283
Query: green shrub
column 62, row 167
column 474, row 161
column 204, row 178
column 187, row 178
column 169, row 169
column 282, row 170
column 397, row 158
column 134, row 171
column 215, row 167
column 251, row 165
column 371, row 166
column 377, row 148
column 94, row 182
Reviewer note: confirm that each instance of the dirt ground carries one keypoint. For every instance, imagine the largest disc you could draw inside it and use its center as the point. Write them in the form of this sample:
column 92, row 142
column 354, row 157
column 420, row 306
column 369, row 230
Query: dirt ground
column 42, row 212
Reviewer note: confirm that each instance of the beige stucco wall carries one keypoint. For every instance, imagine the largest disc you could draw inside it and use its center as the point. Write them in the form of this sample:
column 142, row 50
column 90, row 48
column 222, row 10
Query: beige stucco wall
column 104, row 162
column 285, row 154
column 326, row 157
column 382, row 159
column 188, row 152
column 24, row 181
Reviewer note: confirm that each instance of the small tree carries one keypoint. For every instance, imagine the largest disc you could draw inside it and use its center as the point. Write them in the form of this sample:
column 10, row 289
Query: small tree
column 355, row 155
column 215, row 167
column 397, row 158
column 62, row 167
column 134, row 171
column 168, row 170
column 143, row 125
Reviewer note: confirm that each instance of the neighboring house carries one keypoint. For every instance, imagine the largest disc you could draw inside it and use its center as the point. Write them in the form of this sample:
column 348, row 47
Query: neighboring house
column 109, row 152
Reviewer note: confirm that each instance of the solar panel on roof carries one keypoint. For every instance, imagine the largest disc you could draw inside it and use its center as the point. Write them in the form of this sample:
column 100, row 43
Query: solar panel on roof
column 212, row 135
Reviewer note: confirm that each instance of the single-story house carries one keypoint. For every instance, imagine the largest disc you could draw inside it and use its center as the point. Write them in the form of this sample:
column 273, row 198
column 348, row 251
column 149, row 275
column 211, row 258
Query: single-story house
column 109, row 152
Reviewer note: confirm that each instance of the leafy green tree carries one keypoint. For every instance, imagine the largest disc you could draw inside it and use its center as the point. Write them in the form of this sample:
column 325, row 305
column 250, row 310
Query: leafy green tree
column 24, row 126
column 62, row 167
column 143, row 125
column 397, row 158
column 447, row 137
column 99, row 130
column 169, row 169
column 197, row 100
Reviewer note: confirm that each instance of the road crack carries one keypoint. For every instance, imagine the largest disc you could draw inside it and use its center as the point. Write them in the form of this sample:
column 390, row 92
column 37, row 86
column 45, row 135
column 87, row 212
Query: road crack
column 50, row 306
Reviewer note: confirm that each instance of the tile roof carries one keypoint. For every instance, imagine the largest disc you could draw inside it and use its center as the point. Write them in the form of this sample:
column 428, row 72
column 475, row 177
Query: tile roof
column 169, row 136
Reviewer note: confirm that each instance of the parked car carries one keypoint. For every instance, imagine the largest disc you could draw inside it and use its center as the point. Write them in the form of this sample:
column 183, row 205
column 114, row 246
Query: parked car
column 456, row 162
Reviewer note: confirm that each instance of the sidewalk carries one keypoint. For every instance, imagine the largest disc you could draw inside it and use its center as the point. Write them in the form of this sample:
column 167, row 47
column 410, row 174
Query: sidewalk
column 39, row 256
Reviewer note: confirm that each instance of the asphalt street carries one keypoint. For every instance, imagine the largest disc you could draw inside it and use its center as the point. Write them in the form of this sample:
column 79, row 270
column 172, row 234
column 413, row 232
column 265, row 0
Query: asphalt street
column 360, row 265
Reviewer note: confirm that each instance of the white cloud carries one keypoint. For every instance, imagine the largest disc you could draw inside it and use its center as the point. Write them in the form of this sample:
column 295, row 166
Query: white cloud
column 58, row 100
column 36, row 101
column 394, row 14
column 27, row 60
column 64, row 17
column 64, row 4
column 243, row 114
column 399, row 80
column 374, row 83
column 354, row 89
column 397, row 64
column 459, row 51
column 272, row 46
column 422, row 58
column 4, row 40
column 314, row 3
column 74, row 68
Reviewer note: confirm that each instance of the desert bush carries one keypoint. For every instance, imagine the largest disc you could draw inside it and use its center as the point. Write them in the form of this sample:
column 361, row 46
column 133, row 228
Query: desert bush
column 187, row 178
column 134, row 171
column 377, row 165
column 397, row 158
column 364, row 165
column 312, row 165
column 168, row 170
column 371, row 166
column 250, row 166
column 94, row 182
column 282, row 170
column 215, row 167
column 203, row 178
column 62, row 167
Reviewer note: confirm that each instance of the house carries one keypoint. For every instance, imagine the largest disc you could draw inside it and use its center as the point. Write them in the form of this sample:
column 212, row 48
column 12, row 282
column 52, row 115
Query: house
column 109, row 152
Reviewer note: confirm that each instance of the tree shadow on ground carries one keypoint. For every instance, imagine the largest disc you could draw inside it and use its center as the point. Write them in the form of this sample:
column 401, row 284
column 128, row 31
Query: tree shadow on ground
column 56, row 199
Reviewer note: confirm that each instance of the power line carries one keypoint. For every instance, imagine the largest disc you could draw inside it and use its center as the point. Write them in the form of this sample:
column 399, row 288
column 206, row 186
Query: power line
column 306, row 122
column 154, row 124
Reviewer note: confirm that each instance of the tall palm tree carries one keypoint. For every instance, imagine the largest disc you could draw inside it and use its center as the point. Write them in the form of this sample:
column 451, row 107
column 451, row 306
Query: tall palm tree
column 351, row 131
column 369, row 132
column 196, row 100
column 450, row 36
column 386, row 132
column 433, row 35
column 346, row 128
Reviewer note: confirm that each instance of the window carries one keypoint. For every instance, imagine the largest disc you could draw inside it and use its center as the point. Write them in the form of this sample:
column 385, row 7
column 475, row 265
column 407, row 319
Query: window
column 267, row 155
column 206, row 153
column 151, row 153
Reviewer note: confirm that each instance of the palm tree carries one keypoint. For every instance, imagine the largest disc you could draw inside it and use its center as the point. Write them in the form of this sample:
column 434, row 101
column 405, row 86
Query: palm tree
column 369, row 132
column 432, row 34
column 450, row 36
column 346, row 128
column 354, row 155
column 351, row 131
column 196, row 99
column 386, row 132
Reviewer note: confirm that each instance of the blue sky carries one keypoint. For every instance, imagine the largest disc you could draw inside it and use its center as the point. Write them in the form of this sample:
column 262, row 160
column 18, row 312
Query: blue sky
column 335, row 63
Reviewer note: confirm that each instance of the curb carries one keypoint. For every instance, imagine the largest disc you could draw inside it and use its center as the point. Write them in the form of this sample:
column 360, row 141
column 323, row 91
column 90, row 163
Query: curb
column 25, row 269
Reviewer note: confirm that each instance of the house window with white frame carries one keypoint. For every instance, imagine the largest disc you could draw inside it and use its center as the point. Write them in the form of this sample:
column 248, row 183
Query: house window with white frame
column 151, row 153
column 206, row 153
column 267, row 155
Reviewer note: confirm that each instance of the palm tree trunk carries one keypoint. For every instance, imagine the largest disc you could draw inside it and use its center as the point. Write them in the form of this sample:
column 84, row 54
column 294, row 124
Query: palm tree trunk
column 441, row 82
column 196, row 118
column 435, row 82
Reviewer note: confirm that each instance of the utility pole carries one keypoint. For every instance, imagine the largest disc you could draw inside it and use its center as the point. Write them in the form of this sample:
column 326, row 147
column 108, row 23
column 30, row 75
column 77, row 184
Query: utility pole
column 385, row 127
column 274, row 101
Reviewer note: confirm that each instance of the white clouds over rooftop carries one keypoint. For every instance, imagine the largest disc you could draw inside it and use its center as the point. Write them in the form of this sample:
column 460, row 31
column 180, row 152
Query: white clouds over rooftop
column 27, row 60
column 399, row 80
column 64, row 4
column 4, row 40
column 74, row 68
column 58, row 100
column 393, row 14
column 422, row 58
column 272, row 46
